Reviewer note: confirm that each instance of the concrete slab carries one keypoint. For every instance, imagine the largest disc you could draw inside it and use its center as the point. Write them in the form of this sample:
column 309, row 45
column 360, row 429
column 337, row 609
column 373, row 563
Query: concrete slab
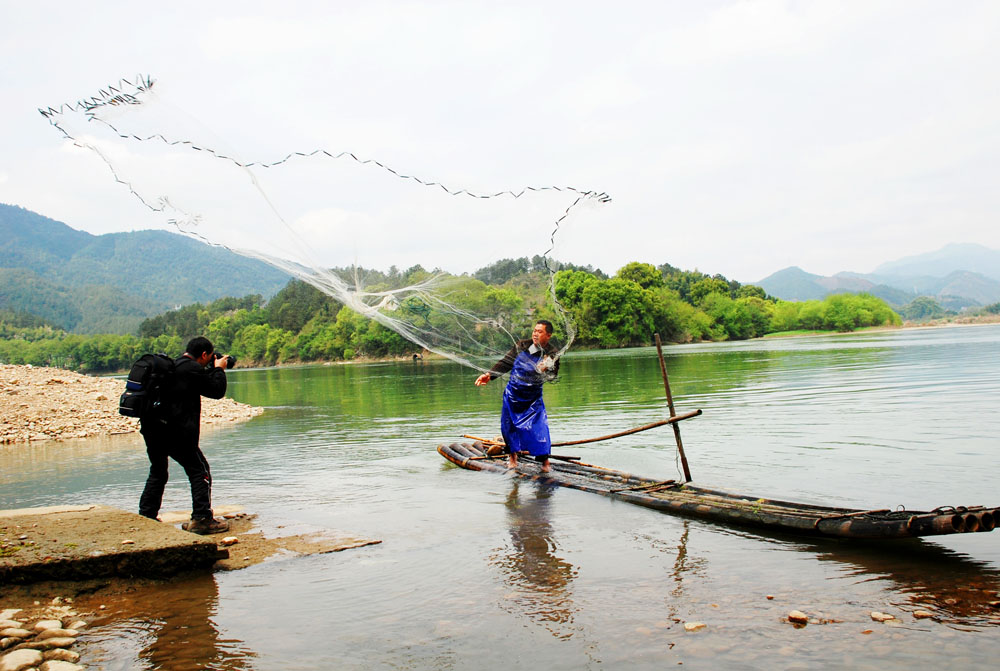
column 83, row 542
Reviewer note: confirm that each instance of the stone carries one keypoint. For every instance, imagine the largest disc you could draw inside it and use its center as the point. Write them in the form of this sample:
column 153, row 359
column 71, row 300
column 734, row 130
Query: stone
column 229, row 540
column 42, row 625
column 7, row 642
column 49, row 643
column 20, row 659
column 128, row 541
column 62, row 655
column 798, row 617
column 15, row 632
column 78, row 625
column 921, row 614
column 7, row 624
column 9, row 613
column 881, row 617
column 59, row 665
column 57, row 633
column 770, row 597
column 694, row 626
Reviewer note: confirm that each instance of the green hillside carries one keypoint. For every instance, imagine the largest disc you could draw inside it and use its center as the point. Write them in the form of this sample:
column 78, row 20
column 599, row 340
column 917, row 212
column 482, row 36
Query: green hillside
column 109, row 283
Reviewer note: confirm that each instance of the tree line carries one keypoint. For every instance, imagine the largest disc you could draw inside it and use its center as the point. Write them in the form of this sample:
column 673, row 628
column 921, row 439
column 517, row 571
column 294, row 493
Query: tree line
column 301, row 324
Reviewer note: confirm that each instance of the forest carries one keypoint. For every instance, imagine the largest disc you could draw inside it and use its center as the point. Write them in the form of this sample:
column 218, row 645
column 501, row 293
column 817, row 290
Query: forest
column 300, row 324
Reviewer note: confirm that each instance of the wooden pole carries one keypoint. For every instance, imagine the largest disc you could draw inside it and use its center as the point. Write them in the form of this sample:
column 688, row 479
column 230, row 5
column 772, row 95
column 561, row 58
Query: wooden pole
column 627, row 432
column 670, row 407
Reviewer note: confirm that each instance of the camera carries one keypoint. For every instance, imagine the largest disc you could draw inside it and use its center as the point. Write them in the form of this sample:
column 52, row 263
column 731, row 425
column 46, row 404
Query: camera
column 229, row 364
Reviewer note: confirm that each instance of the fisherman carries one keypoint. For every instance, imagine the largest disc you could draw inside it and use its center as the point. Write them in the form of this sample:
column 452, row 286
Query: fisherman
column 523, row 420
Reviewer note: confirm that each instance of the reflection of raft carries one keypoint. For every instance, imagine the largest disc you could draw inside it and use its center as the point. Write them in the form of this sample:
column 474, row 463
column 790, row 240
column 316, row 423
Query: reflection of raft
column 686, row 499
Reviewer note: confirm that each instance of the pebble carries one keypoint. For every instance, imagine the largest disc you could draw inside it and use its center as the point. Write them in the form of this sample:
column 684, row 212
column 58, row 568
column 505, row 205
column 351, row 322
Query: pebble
column 229, row 540
column 7, row 624
column 128, row 541
column 58, row 665
column 20, row 659
column 42, row 625
column 798, row 617
column 78, row 625
column 694, row 626
column 881, row 617
column 15, row 632
column 9, row 613
column 57, row 633
column 49, row 643
column 921, row 614
column 62, row 655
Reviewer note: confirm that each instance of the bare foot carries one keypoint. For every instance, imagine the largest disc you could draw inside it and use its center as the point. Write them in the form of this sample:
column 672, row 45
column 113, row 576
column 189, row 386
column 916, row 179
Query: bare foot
column 546, row 468
column 512, row 463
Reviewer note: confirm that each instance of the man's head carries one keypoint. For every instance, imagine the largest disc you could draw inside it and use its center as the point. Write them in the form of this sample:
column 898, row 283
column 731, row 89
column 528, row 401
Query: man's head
column 542, row 332
column 200, row 349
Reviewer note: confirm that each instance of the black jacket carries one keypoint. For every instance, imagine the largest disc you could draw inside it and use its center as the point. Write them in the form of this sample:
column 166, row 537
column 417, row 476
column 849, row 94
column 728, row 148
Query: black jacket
column 191, row 382
column 506, row 364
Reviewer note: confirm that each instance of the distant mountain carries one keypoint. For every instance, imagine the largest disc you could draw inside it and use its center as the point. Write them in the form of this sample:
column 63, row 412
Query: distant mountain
column 941, row 263
column 110, row 283
column 795, row 284
column 957, row 276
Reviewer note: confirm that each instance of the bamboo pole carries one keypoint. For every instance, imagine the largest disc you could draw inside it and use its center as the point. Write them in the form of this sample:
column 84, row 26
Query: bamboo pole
column 670, row 407
column 644, row 427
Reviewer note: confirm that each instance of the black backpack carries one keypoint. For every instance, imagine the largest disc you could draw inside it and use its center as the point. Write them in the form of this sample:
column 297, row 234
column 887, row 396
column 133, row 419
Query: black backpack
column 147, row 387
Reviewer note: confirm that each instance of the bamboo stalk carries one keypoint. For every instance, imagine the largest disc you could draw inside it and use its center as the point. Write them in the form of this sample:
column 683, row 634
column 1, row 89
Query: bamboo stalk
column 670, row 406
column 644, row 427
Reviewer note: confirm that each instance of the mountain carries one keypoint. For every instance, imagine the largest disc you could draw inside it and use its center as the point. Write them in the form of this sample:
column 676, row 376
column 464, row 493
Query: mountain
column 950, row 258
column 109, row 283
column 795, row 284
column 957, row 276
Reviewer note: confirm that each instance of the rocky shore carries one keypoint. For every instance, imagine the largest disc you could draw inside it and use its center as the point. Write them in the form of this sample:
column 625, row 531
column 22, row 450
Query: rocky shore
column 53, row 404
column 41, row 641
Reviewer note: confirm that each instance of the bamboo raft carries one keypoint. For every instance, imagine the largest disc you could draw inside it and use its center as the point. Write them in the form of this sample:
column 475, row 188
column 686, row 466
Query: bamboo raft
column 686, row 499
column 683, row 498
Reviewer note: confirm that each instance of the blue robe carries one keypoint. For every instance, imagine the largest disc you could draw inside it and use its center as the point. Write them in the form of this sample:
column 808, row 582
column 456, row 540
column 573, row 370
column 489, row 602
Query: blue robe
column 523, row 421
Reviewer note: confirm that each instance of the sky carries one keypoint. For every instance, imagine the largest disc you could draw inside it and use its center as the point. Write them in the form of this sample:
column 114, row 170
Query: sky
column 733, row 137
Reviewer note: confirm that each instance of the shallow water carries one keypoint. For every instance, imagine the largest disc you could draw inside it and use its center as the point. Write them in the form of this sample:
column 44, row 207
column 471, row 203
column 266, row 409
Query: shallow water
column 479, row 570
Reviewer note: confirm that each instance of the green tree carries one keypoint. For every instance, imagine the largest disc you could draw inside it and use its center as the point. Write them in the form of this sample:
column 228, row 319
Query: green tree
column 644, row 274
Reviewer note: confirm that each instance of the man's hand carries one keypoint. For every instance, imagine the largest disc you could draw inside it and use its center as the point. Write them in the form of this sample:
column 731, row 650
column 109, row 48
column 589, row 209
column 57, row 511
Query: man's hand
column 483, row 379
column 221, row 362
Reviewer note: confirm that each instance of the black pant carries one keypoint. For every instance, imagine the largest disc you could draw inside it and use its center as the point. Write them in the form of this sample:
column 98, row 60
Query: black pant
column 161, row 445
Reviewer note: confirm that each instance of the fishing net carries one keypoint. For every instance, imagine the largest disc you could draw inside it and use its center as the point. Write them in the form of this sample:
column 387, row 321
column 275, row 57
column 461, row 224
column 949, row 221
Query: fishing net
column 329, row 217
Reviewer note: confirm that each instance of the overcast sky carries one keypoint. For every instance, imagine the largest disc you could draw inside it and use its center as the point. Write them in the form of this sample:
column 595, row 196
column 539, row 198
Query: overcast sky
column 734, row 137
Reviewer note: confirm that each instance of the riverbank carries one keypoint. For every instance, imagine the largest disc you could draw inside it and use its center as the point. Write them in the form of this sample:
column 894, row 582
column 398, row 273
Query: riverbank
column 52, row 404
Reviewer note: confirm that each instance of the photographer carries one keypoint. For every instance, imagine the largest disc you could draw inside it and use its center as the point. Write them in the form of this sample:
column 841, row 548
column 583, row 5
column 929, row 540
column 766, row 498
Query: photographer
column 174, row 434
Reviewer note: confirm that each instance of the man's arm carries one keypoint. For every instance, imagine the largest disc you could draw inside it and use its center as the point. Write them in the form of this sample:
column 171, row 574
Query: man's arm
column 212, row 382
column 504, row 365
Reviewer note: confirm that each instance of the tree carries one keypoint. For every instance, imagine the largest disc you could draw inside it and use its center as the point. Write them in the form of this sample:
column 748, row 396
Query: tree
column 644, row 274
column 706, row 286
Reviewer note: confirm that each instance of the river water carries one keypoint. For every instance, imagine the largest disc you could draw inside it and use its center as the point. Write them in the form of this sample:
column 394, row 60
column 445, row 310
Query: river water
column 480, row 571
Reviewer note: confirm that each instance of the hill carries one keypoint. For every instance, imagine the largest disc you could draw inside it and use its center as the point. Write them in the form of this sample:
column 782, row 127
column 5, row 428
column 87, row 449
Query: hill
column 955, row 276
column 945, row 261
column 109, row 283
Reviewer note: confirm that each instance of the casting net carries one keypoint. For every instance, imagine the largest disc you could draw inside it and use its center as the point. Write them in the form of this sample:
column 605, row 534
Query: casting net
column 324, row 216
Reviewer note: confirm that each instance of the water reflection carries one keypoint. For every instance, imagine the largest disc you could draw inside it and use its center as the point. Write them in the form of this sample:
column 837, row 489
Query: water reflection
column 540, row 580
column 956, row 588
column 167, row 626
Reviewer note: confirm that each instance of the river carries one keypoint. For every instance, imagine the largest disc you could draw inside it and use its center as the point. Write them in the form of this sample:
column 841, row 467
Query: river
column 481, row 571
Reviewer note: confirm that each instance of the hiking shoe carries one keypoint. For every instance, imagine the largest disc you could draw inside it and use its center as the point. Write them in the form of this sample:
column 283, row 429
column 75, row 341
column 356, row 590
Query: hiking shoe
column 209, row 525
